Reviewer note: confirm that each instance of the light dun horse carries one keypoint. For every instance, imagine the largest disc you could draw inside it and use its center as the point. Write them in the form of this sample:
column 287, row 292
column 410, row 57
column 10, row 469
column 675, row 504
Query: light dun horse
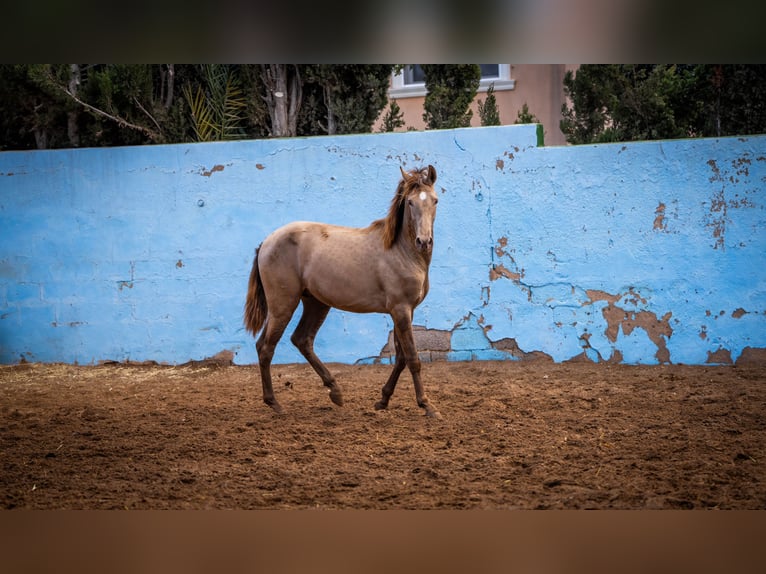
column 382, row 268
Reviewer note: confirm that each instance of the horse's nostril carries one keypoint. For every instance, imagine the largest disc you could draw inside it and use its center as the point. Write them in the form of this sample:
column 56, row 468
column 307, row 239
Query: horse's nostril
column 424, row 243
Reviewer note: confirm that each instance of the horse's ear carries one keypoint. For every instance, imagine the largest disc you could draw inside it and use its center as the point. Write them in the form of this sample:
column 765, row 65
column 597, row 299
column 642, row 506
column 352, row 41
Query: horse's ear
column 431, row 174
column 404, row 173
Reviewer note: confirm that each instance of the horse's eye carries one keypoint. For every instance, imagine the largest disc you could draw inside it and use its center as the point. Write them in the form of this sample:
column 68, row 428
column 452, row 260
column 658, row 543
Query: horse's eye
column 436, row 200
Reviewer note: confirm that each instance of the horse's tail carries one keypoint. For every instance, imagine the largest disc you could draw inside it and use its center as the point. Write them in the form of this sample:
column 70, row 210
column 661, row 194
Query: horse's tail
column 256, row 307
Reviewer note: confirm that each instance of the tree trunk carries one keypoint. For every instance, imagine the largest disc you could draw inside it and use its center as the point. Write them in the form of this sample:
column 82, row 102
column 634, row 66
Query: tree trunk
column 72, row 128
column 296, row 97
column 283, row 98
column 328, row 100
column 171, row 81
column 41, row 138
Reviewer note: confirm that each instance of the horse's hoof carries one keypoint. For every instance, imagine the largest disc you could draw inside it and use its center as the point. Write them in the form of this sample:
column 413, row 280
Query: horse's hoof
column 381, row 406
column 336, row 397
column 433, row 413
column 276, row 407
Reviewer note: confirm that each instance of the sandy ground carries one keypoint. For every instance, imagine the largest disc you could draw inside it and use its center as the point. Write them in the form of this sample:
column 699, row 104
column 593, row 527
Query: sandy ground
column 528, row 434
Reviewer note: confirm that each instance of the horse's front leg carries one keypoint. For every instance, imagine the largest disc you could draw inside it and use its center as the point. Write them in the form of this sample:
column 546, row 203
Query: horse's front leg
column 403, row 330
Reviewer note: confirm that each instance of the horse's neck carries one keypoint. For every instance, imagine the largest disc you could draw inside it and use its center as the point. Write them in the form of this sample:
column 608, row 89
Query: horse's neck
column 405, row 243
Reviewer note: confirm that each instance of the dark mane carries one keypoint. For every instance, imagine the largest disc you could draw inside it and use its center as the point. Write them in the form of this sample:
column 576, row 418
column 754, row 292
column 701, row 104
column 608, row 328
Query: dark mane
column 393, row 221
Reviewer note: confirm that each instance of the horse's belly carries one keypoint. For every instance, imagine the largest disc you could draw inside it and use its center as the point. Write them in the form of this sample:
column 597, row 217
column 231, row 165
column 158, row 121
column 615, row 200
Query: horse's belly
column 347, row 292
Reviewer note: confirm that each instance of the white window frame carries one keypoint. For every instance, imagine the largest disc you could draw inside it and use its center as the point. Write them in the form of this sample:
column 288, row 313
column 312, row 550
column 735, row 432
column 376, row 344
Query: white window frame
column 401, row 90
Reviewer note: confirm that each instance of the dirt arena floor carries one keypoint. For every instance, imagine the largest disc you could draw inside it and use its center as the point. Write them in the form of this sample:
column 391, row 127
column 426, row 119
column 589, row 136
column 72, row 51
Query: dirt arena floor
column 529, row 435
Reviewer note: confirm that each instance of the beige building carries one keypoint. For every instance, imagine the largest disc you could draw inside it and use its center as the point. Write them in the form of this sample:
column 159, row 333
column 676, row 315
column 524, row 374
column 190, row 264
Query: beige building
column 540, row 86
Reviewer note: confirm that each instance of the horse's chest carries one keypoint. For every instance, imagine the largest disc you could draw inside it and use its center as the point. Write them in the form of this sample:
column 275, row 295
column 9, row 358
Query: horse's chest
column 418, row 289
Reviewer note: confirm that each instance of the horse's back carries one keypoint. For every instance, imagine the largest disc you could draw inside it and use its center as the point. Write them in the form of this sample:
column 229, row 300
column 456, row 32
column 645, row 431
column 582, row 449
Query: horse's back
column 281, row 249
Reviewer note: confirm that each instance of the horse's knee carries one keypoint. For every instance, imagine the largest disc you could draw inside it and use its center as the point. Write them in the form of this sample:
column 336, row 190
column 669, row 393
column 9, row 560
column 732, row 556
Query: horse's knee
column 300, row 342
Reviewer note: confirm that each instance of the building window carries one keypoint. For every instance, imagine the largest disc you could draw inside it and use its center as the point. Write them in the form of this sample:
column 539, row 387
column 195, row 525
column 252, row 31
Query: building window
column 410, row 81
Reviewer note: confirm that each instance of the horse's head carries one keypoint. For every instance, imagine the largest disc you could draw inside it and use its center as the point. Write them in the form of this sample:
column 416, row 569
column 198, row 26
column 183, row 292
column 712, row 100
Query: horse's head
column 418, row 203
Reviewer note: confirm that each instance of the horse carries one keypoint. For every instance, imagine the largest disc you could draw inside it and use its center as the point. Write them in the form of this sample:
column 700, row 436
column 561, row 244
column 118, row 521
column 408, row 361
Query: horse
column 381, row 268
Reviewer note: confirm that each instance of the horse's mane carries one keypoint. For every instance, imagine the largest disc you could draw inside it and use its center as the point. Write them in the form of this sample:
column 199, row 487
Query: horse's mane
column 393, row 221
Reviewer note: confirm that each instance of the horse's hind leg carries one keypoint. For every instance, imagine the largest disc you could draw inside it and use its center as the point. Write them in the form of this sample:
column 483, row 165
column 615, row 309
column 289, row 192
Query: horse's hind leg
column 266, row 344
column 314, row 314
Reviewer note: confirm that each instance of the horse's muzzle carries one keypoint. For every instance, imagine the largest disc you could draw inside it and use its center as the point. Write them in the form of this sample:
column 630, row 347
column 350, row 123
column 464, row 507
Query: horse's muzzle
column 424, row 244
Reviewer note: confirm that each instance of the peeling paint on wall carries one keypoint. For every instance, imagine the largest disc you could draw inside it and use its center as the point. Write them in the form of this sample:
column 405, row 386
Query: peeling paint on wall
column 211, row 171
column 732, row 190
column 659, row 220
column 618, row 318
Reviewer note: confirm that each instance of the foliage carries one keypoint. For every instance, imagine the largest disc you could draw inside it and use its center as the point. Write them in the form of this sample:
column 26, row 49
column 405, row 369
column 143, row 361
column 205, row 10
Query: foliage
column 393, row 118
column 450, row 91
column 525, row 116
column 345, row 98
column 32, row 117
column 218, row 109
column 641, row 102
column 71, row 105
column 488, row 111
column 732, row 99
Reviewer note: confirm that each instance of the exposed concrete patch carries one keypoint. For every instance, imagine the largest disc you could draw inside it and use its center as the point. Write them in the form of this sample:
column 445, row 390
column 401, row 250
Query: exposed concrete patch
column 212, row 170
column 719, row 357
column 659, row 218
column 591, row 354
column 597, row 295
column 432, row 344
column 511, row 347
column 718, row 209
column 467, row 340
column 752, row 356
column 720, row 203
column 658, row 330
column 500, row 163
column 224, row 358
column 500, row 270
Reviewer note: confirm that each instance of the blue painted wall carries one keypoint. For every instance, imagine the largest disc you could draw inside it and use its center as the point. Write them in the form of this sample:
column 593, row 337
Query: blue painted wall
column 642, row 253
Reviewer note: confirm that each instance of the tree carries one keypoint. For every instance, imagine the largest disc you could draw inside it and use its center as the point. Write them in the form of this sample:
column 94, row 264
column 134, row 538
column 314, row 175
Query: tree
column 70, row 105
column 524, row 116
column 488, row 112
column 450, row 91
column 218, row 108
column 344, row 99
column 624, row 103
column 103, row 104
column 640, row 102
column 393, row 118
column 732, row 99
column 32, row 118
